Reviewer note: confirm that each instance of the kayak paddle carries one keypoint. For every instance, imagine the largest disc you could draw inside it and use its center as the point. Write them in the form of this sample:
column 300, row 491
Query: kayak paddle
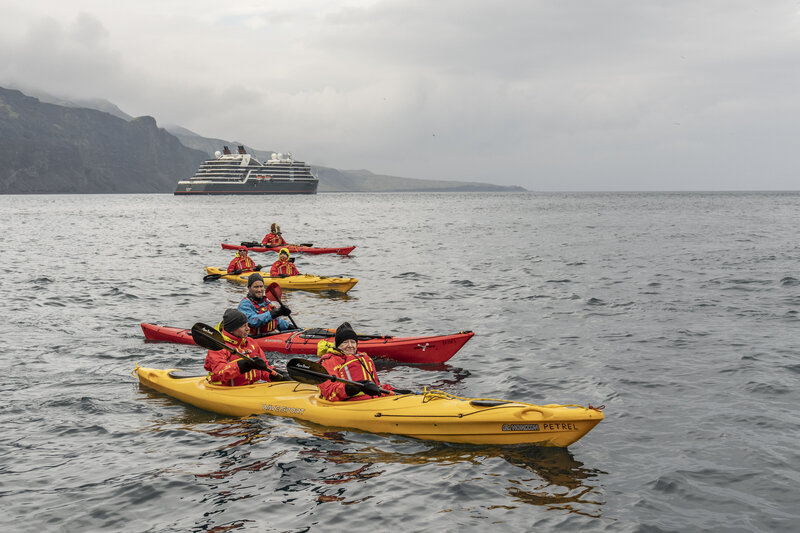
column 208, row 337
column 275, row 290
column 212, row 277
column 312, row 373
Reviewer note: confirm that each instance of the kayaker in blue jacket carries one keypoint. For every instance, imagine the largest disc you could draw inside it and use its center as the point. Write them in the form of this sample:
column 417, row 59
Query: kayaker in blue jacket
column 263, row 315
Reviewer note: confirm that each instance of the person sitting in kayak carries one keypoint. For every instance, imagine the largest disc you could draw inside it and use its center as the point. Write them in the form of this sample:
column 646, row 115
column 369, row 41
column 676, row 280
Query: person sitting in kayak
column 263, row 315
column 273, row 238
column 283, row 267
column 227, row 368
column 242, row 262
column 343, row 360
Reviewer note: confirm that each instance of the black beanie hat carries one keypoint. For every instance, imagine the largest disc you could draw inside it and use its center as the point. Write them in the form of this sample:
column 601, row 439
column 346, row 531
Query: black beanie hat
column 232, row 319
column 252, row 278
column 344, row 332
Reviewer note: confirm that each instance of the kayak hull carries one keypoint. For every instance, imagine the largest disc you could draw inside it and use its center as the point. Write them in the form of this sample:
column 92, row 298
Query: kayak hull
column 433, row 415
column 293, row 248
column 412, row 350
column 303, row 282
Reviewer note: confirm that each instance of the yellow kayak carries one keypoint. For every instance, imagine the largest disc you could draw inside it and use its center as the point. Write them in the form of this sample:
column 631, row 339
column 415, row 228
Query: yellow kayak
column 303, row 282
column 433, row 415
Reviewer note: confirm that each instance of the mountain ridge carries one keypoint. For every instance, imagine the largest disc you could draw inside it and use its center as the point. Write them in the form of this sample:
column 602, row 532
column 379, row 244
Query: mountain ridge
column 56, row 145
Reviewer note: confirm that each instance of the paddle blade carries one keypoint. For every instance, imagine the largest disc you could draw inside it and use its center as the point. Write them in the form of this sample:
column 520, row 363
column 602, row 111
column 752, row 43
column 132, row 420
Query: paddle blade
column 307, row 372
column 207, row 337
column 212, row 277
column 312, row 373
column 275, row 290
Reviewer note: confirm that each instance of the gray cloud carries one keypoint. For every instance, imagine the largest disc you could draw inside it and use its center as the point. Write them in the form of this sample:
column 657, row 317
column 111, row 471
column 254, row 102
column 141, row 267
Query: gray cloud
column 549, row 95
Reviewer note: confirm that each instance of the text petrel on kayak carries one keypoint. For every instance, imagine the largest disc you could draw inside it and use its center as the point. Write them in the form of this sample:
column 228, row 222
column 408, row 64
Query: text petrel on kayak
column 274, row 237
column 242, row 262
column 283, row 266
column 343, row 360
column 227, row 367
column 263, row 315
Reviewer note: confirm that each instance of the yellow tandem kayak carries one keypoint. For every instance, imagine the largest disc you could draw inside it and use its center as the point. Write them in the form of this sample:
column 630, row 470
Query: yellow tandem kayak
column 303, row 282
column 433, row 415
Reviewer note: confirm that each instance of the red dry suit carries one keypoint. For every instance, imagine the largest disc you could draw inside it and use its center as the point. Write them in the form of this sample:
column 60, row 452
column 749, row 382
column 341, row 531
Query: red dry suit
column 352, row 367
column 242, row 263
column 223, row 368
column 283, row 267
column 273, row 239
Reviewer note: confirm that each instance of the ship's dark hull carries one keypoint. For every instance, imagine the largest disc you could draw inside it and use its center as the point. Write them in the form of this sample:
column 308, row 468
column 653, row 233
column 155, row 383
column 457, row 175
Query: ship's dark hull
column 248, row 187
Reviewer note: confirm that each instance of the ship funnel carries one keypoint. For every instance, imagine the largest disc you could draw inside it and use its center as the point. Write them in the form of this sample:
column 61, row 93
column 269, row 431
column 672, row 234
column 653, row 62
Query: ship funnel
column 226, row 150
column 241, row 149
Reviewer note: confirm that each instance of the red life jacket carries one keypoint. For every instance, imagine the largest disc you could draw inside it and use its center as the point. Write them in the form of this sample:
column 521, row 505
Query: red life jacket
column 263, row 307
column 271, row 239
column 223, row 368
column 352, row 367
column 283, row 267
column 241, row 263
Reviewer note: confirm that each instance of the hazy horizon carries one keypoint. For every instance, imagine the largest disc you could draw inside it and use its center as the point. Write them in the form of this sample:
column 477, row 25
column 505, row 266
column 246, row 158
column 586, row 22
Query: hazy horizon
column 568, row 96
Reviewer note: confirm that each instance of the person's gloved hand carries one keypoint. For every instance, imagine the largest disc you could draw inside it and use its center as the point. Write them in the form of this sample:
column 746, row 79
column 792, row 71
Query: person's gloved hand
column 245, row 366
column 275, row 313
column 285, row 311
column 257, row 268
column 259, row 364
column 370, row 388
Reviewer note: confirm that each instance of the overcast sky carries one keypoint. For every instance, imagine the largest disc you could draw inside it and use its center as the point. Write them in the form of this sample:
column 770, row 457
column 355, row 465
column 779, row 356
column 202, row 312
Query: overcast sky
column 555, row 95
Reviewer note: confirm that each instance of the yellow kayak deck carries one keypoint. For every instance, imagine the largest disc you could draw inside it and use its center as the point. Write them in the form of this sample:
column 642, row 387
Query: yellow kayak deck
column 433, row 415
column 303, row 282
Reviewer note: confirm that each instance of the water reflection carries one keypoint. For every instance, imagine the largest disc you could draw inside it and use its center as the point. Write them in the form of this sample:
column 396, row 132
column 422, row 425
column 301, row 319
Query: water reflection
column 559, row 481
column 326, row 295
column 296, row 453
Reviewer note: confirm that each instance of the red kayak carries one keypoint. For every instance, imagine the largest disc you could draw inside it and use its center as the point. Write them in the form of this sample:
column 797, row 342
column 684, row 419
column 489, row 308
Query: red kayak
column 293, row 248
column 419, row 350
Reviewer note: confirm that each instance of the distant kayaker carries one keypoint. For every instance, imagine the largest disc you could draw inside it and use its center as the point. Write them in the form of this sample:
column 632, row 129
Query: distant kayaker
column 263, row 315
column 343, row 360
column 273, row 238
column 242, row 262
column 283, row 267
column 229, row 369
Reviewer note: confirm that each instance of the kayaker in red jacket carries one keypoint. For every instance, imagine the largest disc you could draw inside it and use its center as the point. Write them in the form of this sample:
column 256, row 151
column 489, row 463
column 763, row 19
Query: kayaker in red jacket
column 242, row 262
column 344, row 361
column 228, row 368
column 273, row 238
column 283, row 267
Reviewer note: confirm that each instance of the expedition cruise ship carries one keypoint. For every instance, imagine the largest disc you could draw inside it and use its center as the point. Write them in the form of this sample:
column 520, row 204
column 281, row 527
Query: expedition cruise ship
column 241, row 173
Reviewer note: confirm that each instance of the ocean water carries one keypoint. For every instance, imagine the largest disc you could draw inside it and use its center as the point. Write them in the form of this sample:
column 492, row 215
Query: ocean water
column 677, row 311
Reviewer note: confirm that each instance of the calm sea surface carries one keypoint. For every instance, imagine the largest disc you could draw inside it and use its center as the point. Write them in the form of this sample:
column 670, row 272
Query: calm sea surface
column 679, row 312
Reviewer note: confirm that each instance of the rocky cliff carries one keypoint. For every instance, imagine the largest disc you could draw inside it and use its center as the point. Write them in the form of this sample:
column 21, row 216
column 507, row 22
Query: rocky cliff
column 47, row 148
